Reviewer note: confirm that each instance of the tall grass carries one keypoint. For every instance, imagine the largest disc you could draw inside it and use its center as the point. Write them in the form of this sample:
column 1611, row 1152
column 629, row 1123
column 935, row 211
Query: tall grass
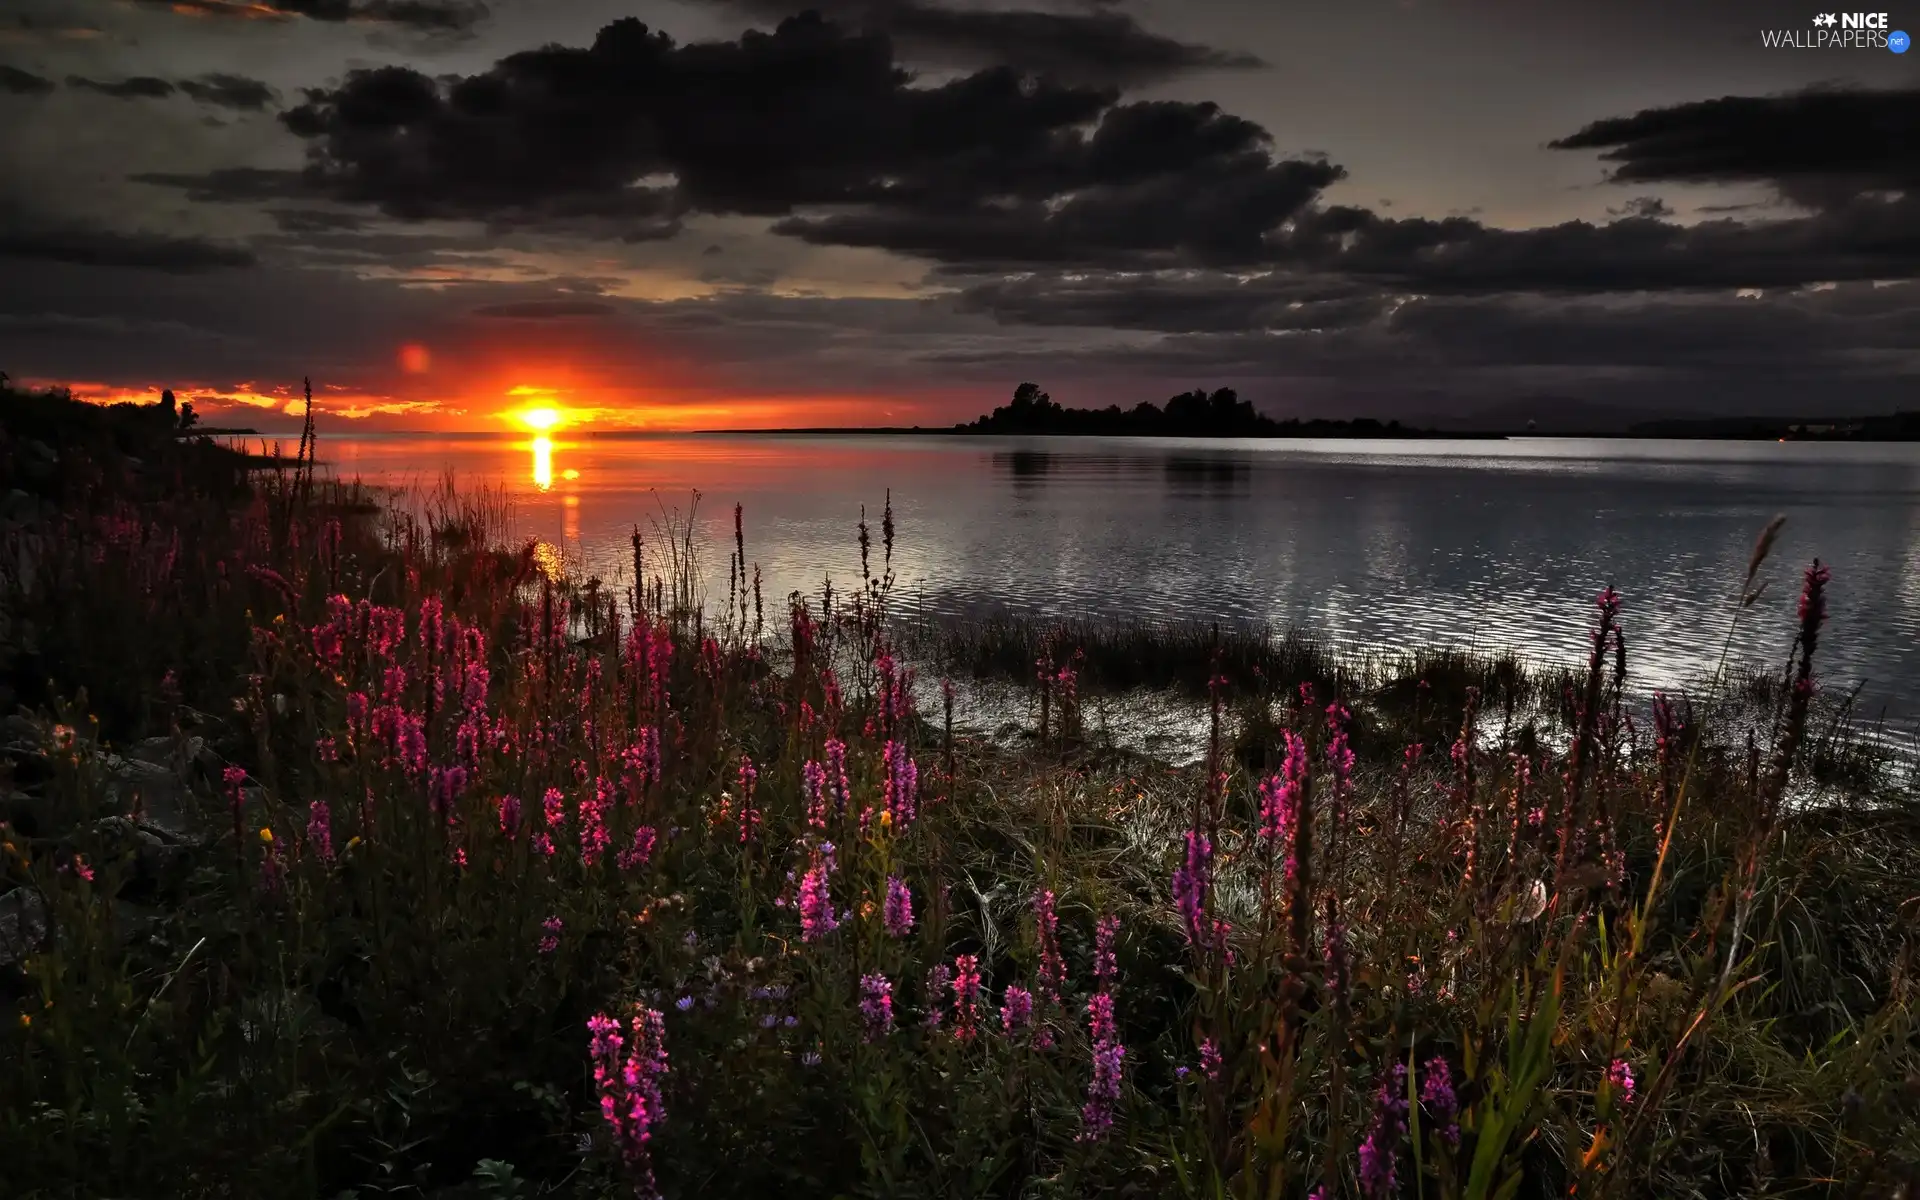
column 479, row 877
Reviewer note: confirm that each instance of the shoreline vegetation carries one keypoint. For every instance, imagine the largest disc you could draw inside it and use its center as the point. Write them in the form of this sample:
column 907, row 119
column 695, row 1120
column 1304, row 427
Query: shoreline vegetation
column 353, row 851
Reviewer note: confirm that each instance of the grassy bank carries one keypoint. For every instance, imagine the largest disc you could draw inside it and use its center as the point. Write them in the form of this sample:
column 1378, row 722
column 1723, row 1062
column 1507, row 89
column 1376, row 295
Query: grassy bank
column 351, row 854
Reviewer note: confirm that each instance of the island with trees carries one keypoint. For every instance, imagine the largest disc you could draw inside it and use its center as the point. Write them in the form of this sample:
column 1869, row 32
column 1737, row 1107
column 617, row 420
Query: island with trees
column 1198, row 413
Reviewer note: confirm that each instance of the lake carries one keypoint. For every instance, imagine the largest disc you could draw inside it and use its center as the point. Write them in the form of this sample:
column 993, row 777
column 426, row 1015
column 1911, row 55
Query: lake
column 1369, row 544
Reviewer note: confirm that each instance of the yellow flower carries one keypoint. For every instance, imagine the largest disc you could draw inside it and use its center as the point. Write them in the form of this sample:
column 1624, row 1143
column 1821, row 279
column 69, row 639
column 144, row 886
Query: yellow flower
column 886, row 819
column 266, row 835
column 353, row 841
column 279, row 618
column 26, row 1020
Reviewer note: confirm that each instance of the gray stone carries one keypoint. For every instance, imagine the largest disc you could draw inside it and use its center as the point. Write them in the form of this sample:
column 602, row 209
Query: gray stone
column 161, row 797
column 23, row 924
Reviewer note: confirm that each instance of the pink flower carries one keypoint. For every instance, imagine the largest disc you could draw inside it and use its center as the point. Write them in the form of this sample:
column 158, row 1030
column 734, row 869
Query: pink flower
column 838, row 790
column 966, row 997
column 320, row 830
column 1103, row 1091
column 876, row 1006
column 813, row 783
column 817, row 918
column 594, row 837
column 1192, row 884
column 749, row 815
column 1380, row 1151
column 509, row 811
column 1017, row 1013
column 1052, row 973
column 640, row 851
column 631, row 1102
column 1620, row 1077
column 896, row 915
column 550, row 940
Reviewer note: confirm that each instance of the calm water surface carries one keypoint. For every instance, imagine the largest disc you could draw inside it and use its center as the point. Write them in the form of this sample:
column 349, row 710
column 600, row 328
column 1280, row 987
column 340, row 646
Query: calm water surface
column 1370, row 544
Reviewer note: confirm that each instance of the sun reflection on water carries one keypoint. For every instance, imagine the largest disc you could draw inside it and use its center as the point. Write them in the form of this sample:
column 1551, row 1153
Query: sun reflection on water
column 543, row 463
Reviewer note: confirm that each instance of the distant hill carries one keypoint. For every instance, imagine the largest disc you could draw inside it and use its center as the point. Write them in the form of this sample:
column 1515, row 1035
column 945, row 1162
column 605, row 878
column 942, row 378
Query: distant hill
column 1191, row 414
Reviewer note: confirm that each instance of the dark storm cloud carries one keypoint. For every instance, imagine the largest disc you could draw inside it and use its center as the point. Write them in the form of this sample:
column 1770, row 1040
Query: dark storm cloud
column 544, row 310
column 1096, row 45
column 433, row 16
column 218, row 89
column 993, row 167
column 1818, row 146
column 139, row 87
column 23, row 83
column 109, row 248
column 229, row 91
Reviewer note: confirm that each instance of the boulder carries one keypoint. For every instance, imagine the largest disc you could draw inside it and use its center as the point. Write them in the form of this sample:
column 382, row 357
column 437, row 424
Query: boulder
column 23, row 924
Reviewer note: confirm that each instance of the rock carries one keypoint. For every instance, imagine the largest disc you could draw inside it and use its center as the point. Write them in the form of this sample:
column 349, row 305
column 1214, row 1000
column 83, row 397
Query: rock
column 23, row 924
column 159, row 795
column 167, row 752
column 162, row 858
column 19, row 507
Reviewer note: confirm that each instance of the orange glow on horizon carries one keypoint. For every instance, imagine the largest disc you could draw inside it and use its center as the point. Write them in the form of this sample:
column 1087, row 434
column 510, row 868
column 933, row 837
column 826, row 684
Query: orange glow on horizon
column 467, row 405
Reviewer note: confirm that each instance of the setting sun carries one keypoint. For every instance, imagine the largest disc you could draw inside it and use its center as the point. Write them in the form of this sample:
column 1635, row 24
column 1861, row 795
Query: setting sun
column 540, row 419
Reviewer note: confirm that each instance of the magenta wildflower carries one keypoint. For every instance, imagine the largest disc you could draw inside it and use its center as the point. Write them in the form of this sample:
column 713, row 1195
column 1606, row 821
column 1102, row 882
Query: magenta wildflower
column 642, row 759
column 81, row 869
column 1052, row 972
column 411, row 742
column 1017, row 1013
column 1103, row 1090
column 637, row 854
column 1280, row 799
column 630, row 1096
column 320, row 830
column 594, row 838
column 1105, row 970
column 838, row 790
column 1192, row 883
column 817, row 918
column 1620, row 1076
column 813, row 783
column 1436, row 1095
column 553, row 809
column 749, row 815
column 550, row 939
column 966, row 997
column 938, row 979
column 509, row 810
column 900, row 784
column 273, row 866
column 1100, row 1017
column 444, row 787
column 1210, row 1059
column 897, row 913
column 876, row 1006
column 1380, row 1151
column 234, row 779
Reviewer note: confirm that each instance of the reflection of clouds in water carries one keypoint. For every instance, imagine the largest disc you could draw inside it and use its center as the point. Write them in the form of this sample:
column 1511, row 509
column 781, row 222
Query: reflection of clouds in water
column 1381, row 545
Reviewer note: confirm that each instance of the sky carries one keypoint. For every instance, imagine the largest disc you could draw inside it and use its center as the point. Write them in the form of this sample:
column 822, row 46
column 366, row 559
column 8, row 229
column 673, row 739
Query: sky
column 673, row 214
